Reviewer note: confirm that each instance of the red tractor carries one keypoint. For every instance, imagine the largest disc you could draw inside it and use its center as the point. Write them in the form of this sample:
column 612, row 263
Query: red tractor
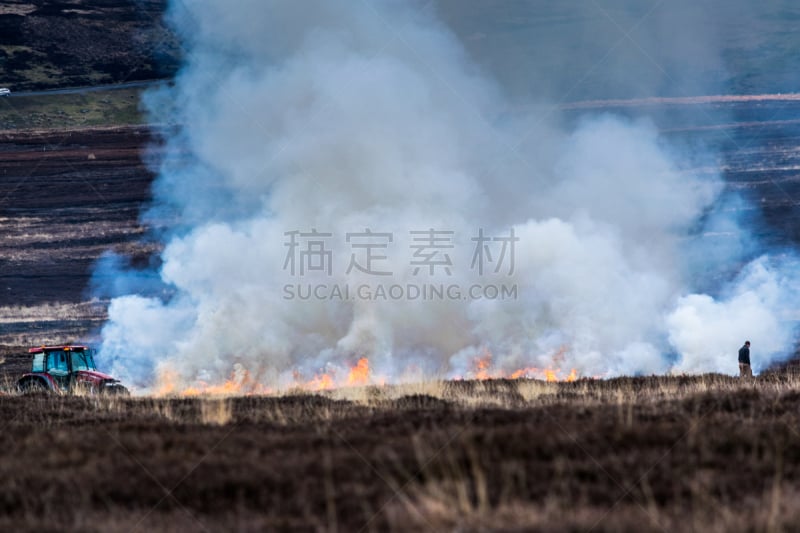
column 67, row 370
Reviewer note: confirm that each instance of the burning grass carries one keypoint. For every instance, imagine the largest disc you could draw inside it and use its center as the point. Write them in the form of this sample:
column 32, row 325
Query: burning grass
column 358, row 375
column 629, row 454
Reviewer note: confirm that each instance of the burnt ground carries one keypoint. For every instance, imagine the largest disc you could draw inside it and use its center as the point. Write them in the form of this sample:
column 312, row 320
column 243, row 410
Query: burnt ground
column 50, row 44
column 66, row 198
column 645, row 454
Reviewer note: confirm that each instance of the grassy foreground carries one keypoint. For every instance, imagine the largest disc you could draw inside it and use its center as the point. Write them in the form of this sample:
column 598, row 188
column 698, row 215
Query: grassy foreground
column 707, row 453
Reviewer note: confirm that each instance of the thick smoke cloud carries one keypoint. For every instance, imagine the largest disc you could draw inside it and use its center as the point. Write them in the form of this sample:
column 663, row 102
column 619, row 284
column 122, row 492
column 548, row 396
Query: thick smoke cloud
column 346, row 117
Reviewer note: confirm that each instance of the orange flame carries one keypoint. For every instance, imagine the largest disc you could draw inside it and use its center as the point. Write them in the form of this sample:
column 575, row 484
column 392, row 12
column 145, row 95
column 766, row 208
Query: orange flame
column 481, row 369
column 481, row 365
column 359, row 374
column 166, row 382
column 323, row 382
column 524, row 372
column 547, row 374
column 239, row 382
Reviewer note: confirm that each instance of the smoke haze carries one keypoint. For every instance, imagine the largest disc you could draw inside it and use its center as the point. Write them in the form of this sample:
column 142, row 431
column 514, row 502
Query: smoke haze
column 345, row 117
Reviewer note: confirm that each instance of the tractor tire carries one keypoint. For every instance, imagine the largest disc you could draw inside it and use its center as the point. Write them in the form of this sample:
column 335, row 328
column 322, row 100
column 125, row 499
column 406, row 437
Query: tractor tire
column 32, row 386
column 117, row 390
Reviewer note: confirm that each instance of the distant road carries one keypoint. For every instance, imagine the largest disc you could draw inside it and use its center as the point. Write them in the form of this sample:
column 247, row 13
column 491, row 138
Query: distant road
column 684, row 100
column 81, row 90
column 585, row 104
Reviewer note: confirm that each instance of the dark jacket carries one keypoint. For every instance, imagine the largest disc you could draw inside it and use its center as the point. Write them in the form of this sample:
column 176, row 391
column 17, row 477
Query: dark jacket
column 744, row 355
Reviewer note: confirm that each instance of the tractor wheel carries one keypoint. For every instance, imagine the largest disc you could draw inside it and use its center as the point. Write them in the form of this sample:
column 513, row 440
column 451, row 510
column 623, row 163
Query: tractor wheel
column 32, row 386
column 117, row 390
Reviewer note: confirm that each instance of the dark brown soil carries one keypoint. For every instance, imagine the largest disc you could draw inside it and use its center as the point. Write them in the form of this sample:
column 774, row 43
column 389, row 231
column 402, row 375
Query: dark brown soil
column 14, row 361
column 65, row 198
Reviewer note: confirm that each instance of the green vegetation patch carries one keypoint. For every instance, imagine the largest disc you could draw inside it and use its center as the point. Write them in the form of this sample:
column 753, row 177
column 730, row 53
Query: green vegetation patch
column 44, row 111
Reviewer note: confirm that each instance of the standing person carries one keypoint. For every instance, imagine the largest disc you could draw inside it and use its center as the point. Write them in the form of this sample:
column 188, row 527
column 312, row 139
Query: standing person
column 744, row 361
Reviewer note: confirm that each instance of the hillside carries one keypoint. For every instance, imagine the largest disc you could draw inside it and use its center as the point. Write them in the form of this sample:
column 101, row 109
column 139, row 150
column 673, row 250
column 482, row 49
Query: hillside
column 45, row 45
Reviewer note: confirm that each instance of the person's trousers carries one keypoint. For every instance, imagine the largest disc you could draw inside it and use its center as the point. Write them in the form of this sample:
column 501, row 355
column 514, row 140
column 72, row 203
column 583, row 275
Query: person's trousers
column 745, row 371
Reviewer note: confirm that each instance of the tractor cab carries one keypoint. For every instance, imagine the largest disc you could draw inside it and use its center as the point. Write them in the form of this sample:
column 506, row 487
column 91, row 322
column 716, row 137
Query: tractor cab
column 67, row 369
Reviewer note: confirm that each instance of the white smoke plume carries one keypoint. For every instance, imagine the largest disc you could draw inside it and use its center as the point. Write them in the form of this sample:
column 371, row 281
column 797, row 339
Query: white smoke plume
column 757, row 304
column 341, row 117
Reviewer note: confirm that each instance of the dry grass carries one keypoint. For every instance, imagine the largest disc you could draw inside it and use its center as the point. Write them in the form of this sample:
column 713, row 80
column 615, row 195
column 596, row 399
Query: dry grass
column 216, row 412
column 533, row 392
column 706, row 453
